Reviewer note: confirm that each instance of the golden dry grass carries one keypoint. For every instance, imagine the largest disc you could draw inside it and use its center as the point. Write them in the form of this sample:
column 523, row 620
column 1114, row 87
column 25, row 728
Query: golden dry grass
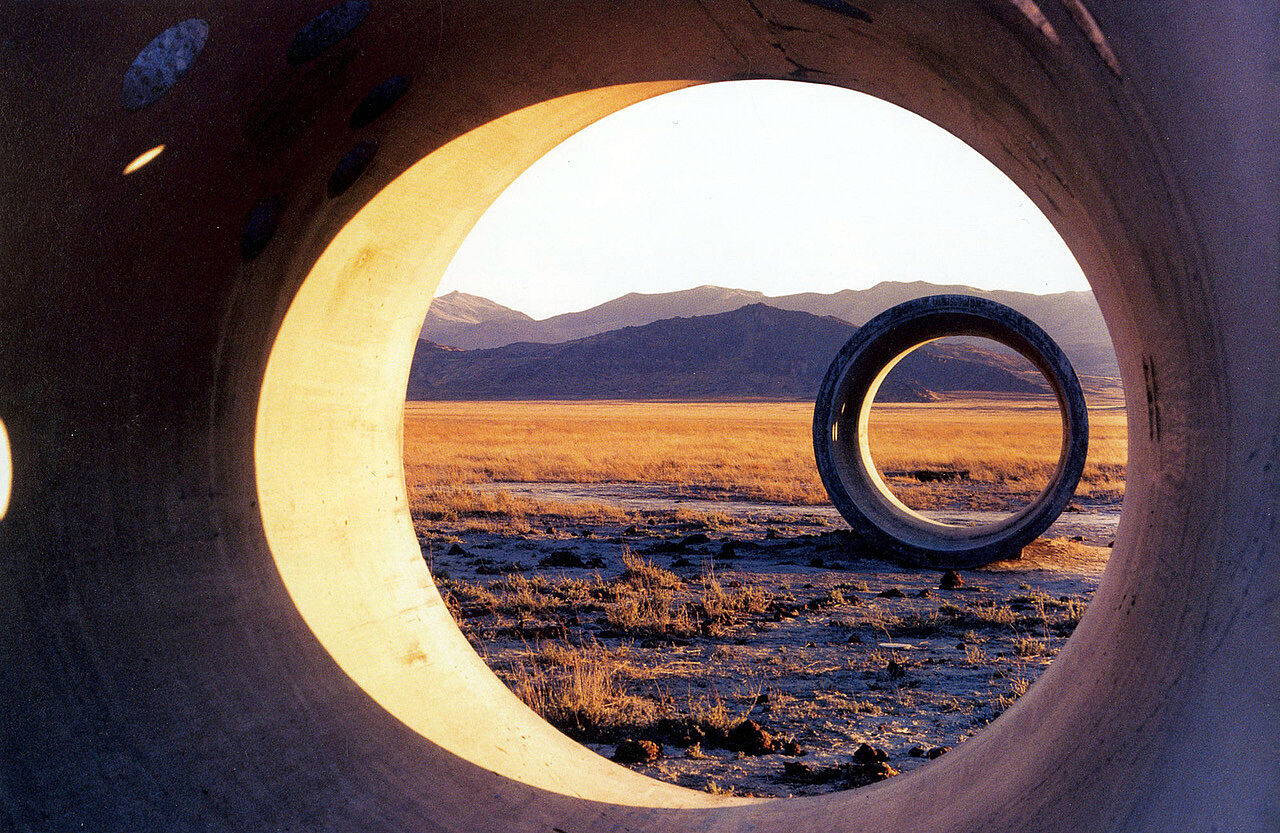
column 759, row 450
column 998, row 441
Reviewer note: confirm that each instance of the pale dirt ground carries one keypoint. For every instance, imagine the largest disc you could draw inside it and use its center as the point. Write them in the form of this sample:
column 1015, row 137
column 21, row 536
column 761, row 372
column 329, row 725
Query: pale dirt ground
column 832, row 663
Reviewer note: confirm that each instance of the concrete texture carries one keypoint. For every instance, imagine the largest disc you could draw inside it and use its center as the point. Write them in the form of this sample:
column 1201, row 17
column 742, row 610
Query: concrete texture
column 842, row 444
column 216, row 615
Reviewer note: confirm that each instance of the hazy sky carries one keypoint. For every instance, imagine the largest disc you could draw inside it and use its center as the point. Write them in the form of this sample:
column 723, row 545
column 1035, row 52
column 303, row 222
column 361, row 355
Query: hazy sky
column 769, row 185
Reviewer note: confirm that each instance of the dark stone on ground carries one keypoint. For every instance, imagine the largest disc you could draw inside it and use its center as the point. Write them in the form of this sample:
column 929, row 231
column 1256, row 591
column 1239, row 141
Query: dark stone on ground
column 728, row 550
column 631, row 530
column 938, row 752
column 951, row 580
column 853, row 775
column 694, row 539
column 916, row 751
column 750, row 739
column 868, row 754
column 562, row 558
column 637, row 752
column 891, row 593
column 456, row 549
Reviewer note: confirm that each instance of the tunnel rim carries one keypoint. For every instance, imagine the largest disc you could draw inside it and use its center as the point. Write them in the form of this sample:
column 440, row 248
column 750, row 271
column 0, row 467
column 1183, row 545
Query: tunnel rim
column 842, row 449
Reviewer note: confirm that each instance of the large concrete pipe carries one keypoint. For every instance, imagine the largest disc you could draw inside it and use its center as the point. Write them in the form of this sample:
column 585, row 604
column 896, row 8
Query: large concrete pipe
column 216, row 614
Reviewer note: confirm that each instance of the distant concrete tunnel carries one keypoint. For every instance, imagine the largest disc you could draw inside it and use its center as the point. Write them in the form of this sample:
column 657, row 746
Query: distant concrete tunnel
column 216, row 616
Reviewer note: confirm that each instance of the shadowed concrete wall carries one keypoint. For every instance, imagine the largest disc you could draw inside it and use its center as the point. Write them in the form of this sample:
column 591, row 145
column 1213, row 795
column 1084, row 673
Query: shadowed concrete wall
column 216, row 614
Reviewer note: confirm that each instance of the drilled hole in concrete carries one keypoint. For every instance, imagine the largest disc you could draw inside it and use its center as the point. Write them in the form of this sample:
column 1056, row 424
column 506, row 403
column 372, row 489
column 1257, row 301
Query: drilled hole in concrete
column 351, row 166
column 6, row 471
column 379, row 100
column 260, row 226
column 162, row 63
column 142, row 160
column 325, row 30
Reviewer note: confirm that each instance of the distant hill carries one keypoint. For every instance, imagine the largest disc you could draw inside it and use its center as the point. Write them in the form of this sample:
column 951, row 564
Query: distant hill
column 453, row 318
column 752, row 352
column 1071, row 318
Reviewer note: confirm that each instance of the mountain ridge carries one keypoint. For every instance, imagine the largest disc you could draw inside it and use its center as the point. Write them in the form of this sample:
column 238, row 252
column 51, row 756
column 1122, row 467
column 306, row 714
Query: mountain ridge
column 1071, row 318
column 754, row 352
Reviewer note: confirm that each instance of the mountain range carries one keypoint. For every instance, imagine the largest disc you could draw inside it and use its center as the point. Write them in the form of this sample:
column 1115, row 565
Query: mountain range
column 471, row 322
column 752, row 352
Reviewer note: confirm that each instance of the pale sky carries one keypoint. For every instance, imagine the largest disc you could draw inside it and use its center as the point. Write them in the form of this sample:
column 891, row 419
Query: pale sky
column 773, row 186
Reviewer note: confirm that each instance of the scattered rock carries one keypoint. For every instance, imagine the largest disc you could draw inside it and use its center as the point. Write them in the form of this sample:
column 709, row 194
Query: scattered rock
column 728, row 550
column 867, row 754
column 853, row 775
column 631, row 530
column 951, row 580
column 771, row 533
column 894, row 671
column 938, row 752
column 925, row 594
column 562, row 558
column 792, row 747
column 637, row 752
column 681, row 562
column 694, row 539
column 1079, row 539
column 749, row 738
column 916, row 751
column 551, row 530
column 891, row 593
column 456, row 549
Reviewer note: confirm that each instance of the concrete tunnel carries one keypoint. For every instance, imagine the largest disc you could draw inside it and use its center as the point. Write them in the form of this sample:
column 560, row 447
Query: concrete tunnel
column 216, row 614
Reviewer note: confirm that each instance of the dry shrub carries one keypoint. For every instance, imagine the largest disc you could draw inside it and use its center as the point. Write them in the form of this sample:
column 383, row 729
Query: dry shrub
column 1028, row 647
column 578, row 688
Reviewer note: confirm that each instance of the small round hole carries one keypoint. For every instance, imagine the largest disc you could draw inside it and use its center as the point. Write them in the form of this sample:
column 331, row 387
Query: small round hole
column 6, row 471
column 142, row 160
column 351, row 166
column 325, row 30
column 162, row 63
column 260, row 226
column 379, row 100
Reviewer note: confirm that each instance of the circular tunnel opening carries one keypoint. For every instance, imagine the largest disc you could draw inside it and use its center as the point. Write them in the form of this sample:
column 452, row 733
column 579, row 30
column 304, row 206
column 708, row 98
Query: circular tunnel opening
column 976, row 446
column 618, row 499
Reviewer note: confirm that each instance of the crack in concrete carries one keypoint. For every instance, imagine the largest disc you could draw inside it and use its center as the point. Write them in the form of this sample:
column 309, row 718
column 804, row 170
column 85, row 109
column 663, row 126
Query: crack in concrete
column 798, row 69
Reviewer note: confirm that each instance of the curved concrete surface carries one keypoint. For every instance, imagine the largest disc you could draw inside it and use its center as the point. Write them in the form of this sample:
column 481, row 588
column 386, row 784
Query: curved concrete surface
column 842, row 441
column 216, row 616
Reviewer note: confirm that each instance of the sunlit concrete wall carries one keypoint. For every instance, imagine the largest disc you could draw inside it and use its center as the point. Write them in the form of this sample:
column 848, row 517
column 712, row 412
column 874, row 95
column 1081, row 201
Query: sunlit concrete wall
column 216, row 616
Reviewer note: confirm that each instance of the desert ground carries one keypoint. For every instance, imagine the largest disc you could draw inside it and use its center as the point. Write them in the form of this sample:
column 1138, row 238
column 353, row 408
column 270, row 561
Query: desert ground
column 667, row 583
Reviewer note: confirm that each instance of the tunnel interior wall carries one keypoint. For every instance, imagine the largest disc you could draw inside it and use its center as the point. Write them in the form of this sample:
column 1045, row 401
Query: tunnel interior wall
column 217, row 616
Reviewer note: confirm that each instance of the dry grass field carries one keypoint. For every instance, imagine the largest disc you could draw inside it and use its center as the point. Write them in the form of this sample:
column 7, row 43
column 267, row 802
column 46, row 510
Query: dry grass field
column 714, row 635
column 757, row 450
